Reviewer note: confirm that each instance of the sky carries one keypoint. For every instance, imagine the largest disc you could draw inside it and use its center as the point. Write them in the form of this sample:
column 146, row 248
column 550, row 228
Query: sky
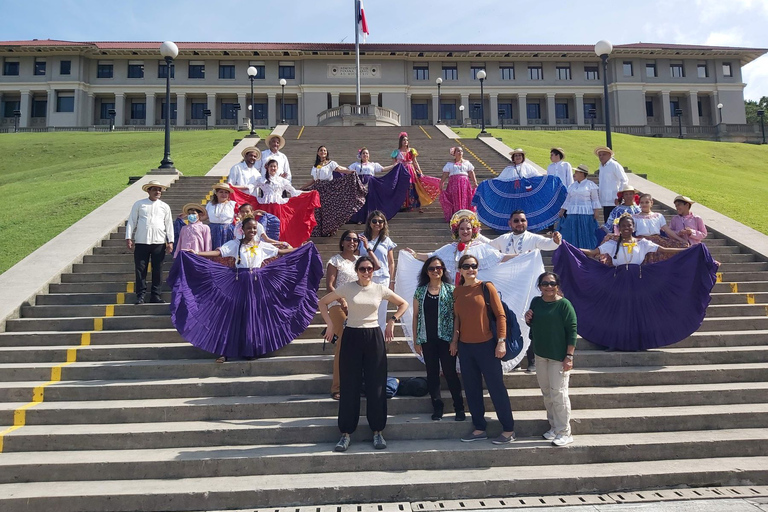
column 708, row 22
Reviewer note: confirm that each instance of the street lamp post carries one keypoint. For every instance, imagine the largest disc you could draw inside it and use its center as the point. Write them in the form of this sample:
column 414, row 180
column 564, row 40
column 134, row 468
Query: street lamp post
column 502, row 113
column 603, row 49
column 679, row 114
column 439, row 82
column 112, row 113
column 169, row 51
column 16, row 117
column 252, row 72
column 592, row 115
column 282, row 100
column 761, row 115
column 461, row 115
column 236, row 108
column 206, row 114
column 720, row 111
column 481, row 76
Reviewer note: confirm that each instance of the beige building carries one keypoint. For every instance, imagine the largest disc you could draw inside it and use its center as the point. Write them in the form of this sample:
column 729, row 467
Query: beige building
column 63, row 84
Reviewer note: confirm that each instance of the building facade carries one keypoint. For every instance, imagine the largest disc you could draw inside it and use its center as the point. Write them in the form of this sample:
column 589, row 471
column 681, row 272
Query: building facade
column 47, row 83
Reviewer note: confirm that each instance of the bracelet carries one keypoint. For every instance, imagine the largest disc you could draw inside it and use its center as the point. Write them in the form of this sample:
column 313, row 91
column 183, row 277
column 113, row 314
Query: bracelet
column 569, row 356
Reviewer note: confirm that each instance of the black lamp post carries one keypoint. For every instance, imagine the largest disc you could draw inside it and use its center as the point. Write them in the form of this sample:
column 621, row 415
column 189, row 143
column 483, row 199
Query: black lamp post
column 16, row 117
column 282, row 100
column 502, row 113
column 439, row 82
column 461, row 115
column 481, row 76
column 603, row 49
column 169, row 51
column 761, row 114
column 592, row 114
column 720, row 111
column 679, row 114
column 236, row 108
column 206, row 115
column 252, row 72
column 112, row 113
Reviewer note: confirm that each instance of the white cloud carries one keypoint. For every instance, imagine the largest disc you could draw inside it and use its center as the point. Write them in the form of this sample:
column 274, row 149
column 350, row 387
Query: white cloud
column 733, row 37
column 755, row 75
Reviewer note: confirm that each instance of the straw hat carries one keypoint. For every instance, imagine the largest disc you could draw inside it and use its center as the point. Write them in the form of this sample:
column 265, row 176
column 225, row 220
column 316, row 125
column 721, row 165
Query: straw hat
column 153, row 183
column 558, row 150
column 222, row 186
column 582, row 168
column 518, row 151
column 684, row 199
column 252, row 149
column 603, row 149
column 193, row 206
column 274, row 135
column 627, row 188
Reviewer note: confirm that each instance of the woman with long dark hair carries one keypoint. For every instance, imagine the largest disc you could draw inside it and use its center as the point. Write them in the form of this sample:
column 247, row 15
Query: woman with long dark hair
column 386, row 193
column 377, row 231
column 424, row 189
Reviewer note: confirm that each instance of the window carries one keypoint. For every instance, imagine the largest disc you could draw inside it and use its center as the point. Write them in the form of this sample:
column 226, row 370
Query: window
column 11, row 68
column 676, row 70
column 39, row 67
column 259, row 111
column 39, row 108
column 162, row 70
column 591, row 73
column 701, row 70
column 628, row 69
column 261, row 72
column 291, row 111
column 673, row 106
column 197, row 110
column 138, row 110
column 448, row 111
column 727, row 69
column 228, row 111
column 287, row 72
column 534, row 110
column 450, row 73
column 419, row 110
column 136, row 70
column 104, row 70
column 65, row 67
column 535, row 73
column 505, row 110
column 65, row 102
column 9, row 107
column 590, row 110
column 650, row 69
column 196, row 71
column 162, row 110
column 561, row 111
column 649, row 108
column 105, row 108
column 226, row 71
column 563, row 72
column 474, row 70
column 507, row 72
column 420, row 72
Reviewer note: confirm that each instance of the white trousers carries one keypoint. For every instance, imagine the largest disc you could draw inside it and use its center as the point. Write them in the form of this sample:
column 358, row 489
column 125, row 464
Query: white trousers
column 554, row 387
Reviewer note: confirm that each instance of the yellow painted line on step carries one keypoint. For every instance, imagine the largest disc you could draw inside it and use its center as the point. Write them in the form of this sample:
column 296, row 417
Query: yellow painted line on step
column 750, row 298
column 109, row 310
column 120, row 299
column 129, row 287
column 734, row 287
column 719, row 276
column 425, row 132
column 480, row 160
column 38, row 392
column 98, row 324
column 300, row 132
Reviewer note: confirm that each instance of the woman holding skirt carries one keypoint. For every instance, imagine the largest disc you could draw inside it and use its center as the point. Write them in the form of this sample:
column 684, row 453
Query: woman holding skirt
column 649, row 225
column 424, row 189
column 221, row 215
column 458, row 184
column 583, row 210
column 386, row 193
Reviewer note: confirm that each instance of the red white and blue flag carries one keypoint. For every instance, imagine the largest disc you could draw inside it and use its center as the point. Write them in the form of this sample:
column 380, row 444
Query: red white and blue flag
column 362, row 25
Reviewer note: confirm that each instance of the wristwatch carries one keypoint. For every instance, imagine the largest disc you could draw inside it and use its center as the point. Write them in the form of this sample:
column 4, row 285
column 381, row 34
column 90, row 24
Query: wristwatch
column 569, row 356
column 502, row 340
column 394, row 318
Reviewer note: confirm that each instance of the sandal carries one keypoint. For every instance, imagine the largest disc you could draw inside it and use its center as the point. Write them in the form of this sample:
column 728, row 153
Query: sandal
column 336, row 395
column 222, row 359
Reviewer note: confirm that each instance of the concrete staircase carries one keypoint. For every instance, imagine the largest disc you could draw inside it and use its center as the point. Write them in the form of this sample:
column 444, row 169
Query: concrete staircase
column 115, row 412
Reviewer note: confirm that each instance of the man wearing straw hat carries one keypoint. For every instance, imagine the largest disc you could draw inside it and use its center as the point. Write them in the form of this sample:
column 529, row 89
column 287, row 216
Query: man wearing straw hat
column 274, row 144
column 611, row 179
column 149, row 233
column 242, row 174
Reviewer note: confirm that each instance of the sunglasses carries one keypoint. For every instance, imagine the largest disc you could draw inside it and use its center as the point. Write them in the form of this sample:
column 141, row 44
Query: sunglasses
column 468, row 266
column 545, row 284
column 435, row 269
column 520, row 221
column 350, row 239
column 377, row 221
column 365, row 270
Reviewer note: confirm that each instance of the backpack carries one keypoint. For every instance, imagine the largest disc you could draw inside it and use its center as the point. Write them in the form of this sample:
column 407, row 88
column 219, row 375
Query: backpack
column 514, row 336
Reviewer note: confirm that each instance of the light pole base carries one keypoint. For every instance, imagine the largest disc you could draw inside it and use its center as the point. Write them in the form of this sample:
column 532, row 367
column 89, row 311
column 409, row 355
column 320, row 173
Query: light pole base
column 169, row 170
column 484, row 134
column 254, row 136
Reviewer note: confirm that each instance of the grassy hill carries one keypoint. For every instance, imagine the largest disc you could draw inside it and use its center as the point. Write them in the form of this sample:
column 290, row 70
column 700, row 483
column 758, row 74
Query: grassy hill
column 731, row 178
column 51, row 180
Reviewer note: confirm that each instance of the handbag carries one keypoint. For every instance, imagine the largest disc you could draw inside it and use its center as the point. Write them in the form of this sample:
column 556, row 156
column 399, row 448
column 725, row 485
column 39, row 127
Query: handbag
column 514, row 339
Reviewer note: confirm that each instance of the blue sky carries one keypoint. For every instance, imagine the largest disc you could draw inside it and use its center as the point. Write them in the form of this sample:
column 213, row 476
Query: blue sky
column 711, row 22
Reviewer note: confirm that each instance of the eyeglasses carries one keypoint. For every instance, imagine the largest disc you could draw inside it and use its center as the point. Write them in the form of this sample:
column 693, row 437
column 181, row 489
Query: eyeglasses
column 378, row 221
column 545, row 284
column 350, row 239
column 365, row 270
column 468, row 266
column 435, row 269
column 519, row 221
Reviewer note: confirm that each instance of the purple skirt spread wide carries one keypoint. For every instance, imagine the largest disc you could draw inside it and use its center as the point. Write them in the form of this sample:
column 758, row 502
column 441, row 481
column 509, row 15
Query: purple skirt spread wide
column 637, row 307
column 386, row 194
column 244, row 313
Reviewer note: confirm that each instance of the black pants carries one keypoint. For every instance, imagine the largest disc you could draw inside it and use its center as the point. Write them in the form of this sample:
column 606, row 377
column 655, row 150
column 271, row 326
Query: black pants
column 362, row 355
column 607, row 212
column 478, row 361
column 436, row 353
column 142, row 254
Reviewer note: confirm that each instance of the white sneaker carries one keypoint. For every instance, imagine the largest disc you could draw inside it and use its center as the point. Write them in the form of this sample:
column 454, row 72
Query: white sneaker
column 549, row 435
column 562, row 440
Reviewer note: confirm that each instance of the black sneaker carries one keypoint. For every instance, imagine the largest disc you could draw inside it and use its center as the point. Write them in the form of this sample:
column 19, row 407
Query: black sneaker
column 139, row 300
column 156, row 300
column 460, row 415
column 343, row 443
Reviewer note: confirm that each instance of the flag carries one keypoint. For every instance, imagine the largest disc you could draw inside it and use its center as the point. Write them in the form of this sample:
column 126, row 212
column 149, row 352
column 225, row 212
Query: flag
column 362, row 25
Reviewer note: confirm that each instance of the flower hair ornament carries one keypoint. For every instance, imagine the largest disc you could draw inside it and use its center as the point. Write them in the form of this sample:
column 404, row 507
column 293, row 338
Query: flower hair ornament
column 402, row 134
column 457, row 219
column 360, row 153
column 452, row 151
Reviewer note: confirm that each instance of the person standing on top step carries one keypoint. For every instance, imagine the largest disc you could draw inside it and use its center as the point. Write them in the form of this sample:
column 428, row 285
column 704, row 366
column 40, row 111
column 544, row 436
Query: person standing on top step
column 274, row 144
column 424, row 189
column 385, row 194
column 611, row 178
column 241, row 174
column 149, row 233
column 458, row 184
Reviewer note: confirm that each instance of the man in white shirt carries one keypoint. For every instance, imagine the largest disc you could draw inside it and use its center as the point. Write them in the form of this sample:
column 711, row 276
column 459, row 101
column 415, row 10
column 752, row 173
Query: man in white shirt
column 149, row 233
column 242, row 173
column 274, row 144
column 611, row 179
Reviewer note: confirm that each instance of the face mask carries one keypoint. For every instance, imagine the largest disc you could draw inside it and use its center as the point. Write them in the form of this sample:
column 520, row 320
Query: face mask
column 192, row 218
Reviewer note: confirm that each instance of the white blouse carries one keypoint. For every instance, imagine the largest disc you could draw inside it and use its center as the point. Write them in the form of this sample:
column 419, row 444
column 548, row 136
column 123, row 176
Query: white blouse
column 562, row 170
column 251, row 255
column 324, row 173
column 650, row 224
column 461, row 168
column 273, row 190
column 221, row 213
column 629, row 254
column 583, row 198
column 260, row 231
column 518, row 172
column 366, row 169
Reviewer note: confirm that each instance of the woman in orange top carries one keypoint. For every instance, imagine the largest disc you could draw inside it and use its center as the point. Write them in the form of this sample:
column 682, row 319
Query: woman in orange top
column 480, row 352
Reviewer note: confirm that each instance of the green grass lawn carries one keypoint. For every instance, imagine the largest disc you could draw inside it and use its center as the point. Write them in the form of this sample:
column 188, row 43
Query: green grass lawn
column 730, row 178
column 51, row 180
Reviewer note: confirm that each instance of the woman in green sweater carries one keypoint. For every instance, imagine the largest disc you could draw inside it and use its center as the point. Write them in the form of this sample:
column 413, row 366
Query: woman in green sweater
column 553, row 334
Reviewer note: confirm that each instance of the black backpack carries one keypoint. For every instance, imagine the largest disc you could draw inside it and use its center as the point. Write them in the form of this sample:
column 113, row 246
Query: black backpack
column 514, row 336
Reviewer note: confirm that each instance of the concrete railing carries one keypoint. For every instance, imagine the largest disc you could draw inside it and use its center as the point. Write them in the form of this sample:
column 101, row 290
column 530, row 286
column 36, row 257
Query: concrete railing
column 350, row 115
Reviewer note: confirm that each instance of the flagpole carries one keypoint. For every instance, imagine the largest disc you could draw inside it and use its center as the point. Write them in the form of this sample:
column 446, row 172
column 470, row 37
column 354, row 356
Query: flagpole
column 357, row 52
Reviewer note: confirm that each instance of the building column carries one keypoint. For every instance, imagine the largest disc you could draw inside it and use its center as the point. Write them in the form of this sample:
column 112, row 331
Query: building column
column 579, row 105
column 334, row 99
column 181, row 109
column 211, row 105
column 90, row 104
column 272, row 119
column 693, row 102
column 119, row 109
column 150, row 102
column 375, row 99
column 665, row 110
column 715, row 115
column 408, row 109
column 522, row 109
column 493, row 104
column 25, row 105
column 50, row 107
column 465, row 102
column 551, row 119
column 435, row 107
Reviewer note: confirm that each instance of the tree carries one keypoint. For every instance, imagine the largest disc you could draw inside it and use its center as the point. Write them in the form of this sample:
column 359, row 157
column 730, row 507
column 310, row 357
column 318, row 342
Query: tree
column 752, row 107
